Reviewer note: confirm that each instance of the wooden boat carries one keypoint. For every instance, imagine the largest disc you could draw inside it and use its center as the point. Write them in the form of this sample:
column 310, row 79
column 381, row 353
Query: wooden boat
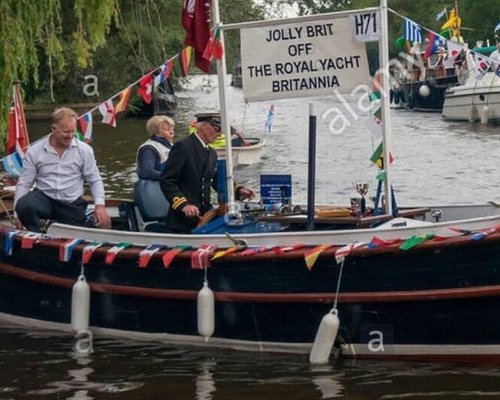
column 421, row 286
column 266, row 298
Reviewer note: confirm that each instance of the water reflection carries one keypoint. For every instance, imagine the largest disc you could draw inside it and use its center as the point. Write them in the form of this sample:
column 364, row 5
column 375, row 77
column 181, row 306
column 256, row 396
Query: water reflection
column 205, row 383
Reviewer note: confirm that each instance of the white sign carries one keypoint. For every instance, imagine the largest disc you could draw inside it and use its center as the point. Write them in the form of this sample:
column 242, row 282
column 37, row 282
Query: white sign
column 302, row 59
column 366, row 26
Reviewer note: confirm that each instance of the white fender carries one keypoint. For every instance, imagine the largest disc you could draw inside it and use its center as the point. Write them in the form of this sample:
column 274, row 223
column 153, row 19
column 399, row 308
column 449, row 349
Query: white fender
column 424, row 91
column 485, row 115
column 206, row 312
column 80, row 305
column 472, row 114
column 325, row 338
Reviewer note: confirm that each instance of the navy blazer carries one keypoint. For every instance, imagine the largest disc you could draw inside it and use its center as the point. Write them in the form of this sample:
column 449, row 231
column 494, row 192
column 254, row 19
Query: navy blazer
column 189, row 175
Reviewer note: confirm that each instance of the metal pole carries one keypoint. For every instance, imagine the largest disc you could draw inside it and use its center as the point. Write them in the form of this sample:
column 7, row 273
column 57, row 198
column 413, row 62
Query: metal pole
column 311, row 172
column 386, row 117
column 222, row 81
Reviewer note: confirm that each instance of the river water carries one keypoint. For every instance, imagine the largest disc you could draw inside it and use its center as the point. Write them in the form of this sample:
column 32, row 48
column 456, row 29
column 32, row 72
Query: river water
column 436, row 162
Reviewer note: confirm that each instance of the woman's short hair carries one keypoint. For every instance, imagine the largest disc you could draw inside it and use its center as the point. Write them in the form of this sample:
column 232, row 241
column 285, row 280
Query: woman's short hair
column 153, row 124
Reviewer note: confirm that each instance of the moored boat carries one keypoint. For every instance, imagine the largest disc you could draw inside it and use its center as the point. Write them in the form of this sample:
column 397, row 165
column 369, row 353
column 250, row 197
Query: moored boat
column 475, row 100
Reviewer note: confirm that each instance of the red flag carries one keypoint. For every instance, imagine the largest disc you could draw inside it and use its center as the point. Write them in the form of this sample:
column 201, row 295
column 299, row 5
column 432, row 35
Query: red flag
column 196, row 20
column 169, row 256
column 146, row 87
column 17, row 138
column 214, row 46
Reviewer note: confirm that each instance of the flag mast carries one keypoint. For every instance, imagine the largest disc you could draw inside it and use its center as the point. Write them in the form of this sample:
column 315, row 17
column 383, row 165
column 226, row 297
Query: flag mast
column 226, row 128
column 386, row 117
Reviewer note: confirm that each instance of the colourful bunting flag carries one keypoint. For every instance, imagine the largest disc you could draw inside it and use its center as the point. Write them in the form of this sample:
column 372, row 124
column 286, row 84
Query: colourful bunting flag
column 255, row 250
column 268, row 125
column 415, row 240
column 434, row 43
column 107, row 110
column 200, row 258
column 113, row 251
column 28, row 240
column 482, row 234
column 311, row 256
column 146, row 254
column 88, row 251
column 123, row 102
column 285, row 249
column 8, row 244
column 169, row 256
column 146, row 88
column 165, row 71
column 227, row 252
column 86, row 126
column 482, row 65
column 343, row 252
column 378, row 156
column 12, row 164
column 377, row 242
column 184, row 60
column 66, row 249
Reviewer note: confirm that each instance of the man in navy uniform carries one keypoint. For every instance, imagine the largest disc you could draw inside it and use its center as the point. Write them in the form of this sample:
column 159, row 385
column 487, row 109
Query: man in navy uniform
column 190, row 175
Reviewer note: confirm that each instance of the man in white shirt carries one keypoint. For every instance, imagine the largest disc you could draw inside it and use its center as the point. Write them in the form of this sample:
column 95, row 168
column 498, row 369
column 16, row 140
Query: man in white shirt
column 58, row 165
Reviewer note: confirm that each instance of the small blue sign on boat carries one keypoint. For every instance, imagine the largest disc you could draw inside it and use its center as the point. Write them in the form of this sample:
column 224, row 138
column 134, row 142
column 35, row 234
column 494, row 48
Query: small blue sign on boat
column 276, row 189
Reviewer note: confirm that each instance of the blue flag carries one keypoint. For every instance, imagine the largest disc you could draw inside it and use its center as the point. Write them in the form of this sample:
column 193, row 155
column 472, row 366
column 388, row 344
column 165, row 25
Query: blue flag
column 12, row 164
column 412, row 31
column 268, row 125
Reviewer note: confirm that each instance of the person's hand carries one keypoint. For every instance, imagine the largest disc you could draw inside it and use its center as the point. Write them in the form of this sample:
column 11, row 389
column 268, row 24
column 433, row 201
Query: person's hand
column 18, row 224
column 101, row 217
column 246, row 142
column 244, row 193
column 191, row 211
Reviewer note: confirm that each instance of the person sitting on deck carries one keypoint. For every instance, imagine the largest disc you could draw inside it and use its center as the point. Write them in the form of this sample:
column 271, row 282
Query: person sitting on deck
column 151, row 158
column 58, row 165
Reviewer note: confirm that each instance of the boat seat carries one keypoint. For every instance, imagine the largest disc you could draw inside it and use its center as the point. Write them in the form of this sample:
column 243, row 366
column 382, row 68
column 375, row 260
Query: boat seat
column 151, row 206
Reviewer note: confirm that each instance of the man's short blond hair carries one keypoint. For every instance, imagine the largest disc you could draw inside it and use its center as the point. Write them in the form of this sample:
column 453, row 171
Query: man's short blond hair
column 154, row 123
column 62, row 112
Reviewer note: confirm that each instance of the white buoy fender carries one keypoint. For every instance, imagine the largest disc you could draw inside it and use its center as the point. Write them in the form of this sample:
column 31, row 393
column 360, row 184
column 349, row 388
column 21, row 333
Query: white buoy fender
column 206, row 311
column 80, row 305
column 472, row 114
column 325, row 338
column 424, row 91
column 485, row 115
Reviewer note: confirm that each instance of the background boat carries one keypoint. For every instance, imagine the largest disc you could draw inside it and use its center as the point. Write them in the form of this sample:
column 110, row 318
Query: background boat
column 475, row 100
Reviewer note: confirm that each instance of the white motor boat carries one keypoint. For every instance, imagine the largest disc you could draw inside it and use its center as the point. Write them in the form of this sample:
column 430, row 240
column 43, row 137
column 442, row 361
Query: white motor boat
column 478, row 99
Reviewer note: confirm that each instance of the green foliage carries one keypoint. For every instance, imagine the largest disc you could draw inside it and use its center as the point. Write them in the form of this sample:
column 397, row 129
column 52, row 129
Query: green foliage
column 32, row 32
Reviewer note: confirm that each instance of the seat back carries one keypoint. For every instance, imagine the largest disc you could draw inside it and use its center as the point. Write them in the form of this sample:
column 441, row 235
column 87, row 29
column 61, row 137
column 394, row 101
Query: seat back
column 150, row 200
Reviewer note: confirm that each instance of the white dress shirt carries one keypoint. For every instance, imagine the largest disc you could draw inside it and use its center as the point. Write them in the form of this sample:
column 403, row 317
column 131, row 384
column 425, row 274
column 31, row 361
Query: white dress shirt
column 60, row 177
